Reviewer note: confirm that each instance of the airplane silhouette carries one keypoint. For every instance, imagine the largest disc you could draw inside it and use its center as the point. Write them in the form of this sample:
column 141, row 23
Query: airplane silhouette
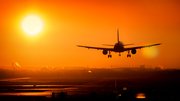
column 118, row 47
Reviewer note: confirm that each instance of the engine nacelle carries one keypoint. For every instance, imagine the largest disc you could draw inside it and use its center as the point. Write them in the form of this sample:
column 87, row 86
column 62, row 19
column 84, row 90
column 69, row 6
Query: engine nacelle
column 133, row 51
column 105, row 52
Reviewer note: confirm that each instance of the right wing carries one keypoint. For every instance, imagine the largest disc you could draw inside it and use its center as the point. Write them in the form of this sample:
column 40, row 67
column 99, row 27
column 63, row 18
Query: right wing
column 98, row 48
column 139, row 47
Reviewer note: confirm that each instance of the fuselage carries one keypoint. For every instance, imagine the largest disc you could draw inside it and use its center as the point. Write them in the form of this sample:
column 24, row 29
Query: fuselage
column 119, row 47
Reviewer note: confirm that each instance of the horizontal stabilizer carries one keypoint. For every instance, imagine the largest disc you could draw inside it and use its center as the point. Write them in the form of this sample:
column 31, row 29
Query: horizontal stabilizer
column 128, row 44
column 107, row 45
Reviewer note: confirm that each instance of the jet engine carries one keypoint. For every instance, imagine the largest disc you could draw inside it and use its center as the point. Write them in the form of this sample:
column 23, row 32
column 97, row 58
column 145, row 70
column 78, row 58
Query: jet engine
column 133, row 51
column 105, row 52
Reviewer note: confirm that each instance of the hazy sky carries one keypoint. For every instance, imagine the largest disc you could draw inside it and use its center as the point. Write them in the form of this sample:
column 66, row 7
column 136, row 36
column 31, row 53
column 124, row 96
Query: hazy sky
column 67, row 23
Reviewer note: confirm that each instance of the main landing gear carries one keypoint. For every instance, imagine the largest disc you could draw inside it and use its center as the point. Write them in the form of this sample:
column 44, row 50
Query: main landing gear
column 128, row 55
column 109, row 56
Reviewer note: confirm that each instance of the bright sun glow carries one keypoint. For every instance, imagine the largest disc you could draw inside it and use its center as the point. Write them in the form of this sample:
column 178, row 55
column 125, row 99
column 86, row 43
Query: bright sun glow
column 32, row 25
column 151, row 52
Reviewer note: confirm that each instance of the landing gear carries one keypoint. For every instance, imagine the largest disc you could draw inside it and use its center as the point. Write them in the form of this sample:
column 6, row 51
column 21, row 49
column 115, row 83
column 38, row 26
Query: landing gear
column 119, row 54
column 128, row 55
column 109, row 56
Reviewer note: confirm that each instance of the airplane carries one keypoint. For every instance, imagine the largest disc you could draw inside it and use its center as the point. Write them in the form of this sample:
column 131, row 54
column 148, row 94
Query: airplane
column 118, row 47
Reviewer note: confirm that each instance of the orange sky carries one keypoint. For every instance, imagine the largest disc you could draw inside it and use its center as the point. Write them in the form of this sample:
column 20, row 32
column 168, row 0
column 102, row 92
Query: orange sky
column 68, row 23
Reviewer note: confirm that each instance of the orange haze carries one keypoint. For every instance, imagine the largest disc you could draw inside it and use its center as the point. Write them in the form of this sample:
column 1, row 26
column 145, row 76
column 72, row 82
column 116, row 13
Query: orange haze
column 68, row 23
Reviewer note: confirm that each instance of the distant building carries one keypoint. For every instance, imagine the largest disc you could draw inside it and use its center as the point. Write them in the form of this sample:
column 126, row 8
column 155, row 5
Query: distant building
column 142, row 67
column 157, row 68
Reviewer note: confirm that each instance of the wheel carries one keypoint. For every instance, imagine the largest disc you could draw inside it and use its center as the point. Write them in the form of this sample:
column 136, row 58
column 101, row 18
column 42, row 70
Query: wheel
column 110, row 56
column 128, row 55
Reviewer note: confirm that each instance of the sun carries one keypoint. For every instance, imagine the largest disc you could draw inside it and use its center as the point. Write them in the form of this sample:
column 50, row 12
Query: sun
column 32, row 25
column 150, row 52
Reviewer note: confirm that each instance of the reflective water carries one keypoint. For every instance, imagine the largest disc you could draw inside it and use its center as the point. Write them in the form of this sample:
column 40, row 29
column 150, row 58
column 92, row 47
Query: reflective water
column 39, row 90
column 141, row 96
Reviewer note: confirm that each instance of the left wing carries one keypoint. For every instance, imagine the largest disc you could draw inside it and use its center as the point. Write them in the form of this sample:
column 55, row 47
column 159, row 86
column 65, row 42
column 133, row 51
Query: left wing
column 139, row 47
column 98, row 48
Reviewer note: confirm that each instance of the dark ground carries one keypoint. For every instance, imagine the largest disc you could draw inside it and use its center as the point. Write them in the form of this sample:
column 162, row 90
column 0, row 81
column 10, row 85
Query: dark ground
column 101, row 84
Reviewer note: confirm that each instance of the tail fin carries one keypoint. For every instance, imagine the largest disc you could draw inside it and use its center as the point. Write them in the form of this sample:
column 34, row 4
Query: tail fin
column 118, row 35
